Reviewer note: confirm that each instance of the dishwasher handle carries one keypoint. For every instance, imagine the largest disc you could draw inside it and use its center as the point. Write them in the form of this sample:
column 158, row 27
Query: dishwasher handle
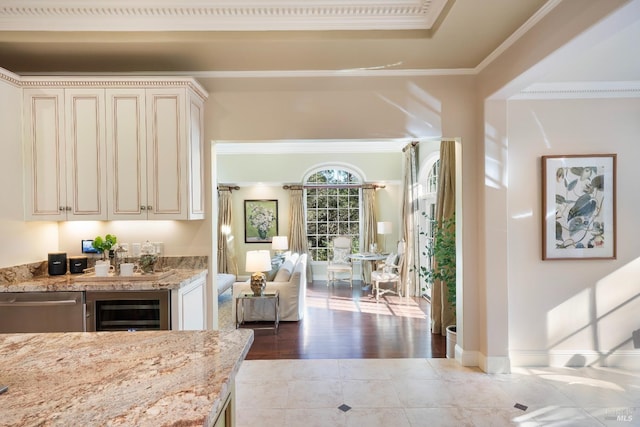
column 52, row 303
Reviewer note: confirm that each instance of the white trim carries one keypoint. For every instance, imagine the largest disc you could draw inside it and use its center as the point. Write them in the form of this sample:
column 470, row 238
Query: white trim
column 581, row 90
column 348, row 167
column 494, row 365
column 626, row 359
column 531, row 22
column 467, row 357
column 310, row 146
column 386, row 71
column 219, row 15
column 9, row 77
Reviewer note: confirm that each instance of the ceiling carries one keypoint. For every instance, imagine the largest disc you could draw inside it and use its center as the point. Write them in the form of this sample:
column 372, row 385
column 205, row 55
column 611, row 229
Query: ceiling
column 209, row 38
column 248, row 35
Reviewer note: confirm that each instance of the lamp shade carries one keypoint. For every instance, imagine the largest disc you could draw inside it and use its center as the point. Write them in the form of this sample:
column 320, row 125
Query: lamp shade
column 258, row 261
column 279, row 243
column 384, row 227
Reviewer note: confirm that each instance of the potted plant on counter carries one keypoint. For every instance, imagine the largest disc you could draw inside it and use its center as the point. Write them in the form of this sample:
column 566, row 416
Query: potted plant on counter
column 104, row 245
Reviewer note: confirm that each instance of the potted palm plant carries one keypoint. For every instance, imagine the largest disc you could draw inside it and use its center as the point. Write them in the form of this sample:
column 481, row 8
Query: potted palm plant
column 441, row 248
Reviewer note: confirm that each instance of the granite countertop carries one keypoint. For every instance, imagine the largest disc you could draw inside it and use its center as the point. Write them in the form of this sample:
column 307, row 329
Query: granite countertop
column 68, row 282
column 149, row 378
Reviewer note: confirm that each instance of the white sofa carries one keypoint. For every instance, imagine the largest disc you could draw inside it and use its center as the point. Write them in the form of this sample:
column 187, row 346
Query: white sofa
column 291, row 282
column 224, row 281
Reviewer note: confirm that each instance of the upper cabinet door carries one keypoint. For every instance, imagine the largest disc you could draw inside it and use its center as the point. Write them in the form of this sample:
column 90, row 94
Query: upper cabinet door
column 86, row 163
column 45, row 179
column 127, row 153
column 166, row 154
column 196, row 159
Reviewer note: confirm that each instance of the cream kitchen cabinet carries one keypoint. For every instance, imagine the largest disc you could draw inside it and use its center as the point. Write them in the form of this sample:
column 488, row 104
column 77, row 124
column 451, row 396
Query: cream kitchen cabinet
column 189, row 306
column 114, row 149
column 65, row 158
column 154, row 145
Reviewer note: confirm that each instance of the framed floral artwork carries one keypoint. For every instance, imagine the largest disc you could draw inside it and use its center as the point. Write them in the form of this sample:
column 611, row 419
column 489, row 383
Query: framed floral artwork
column 579, row 207
column 260, row 220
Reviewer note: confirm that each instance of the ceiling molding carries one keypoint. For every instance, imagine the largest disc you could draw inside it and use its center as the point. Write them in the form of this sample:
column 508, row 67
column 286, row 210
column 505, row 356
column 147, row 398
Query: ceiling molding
column 531, row 22
column 311, row 146
column 219, row 15
column 117, row 81
column 580, row 90
column 278, row 74
column 9, row 77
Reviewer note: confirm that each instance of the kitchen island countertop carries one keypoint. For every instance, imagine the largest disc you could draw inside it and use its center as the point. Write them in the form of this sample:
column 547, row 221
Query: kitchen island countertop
column 67, row 282
column 119, row 378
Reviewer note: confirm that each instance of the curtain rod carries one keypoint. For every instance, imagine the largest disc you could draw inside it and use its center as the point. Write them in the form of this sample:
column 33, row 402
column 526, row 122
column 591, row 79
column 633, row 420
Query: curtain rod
column 314, row 186
column 412, row 144
column 229, row 187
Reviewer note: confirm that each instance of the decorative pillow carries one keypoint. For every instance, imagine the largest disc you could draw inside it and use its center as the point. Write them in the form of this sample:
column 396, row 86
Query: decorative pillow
column 284, row 272
column 271, row 274
column 341, row 255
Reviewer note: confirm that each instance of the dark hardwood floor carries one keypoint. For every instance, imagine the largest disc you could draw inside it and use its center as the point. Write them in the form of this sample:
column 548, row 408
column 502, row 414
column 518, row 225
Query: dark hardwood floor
column 345, row 323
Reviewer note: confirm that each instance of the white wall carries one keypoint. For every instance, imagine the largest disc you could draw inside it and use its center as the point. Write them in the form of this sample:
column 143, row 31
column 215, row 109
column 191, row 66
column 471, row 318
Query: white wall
column 577, row 311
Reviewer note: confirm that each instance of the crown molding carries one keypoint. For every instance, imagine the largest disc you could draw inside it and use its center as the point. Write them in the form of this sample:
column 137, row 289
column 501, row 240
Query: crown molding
column 115, row 81
column 9, row 77
column 524, row 28
column 278, row 74
column 219, row 15
column 311, row 146
column 580, row 90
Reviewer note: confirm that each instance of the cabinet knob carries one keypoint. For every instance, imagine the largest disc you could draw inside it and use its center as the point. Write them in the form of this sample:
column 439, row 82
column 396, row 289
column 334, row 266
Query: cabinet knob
column 149, row 208
column 142, row 208
column 61, row 208
column 68, row 208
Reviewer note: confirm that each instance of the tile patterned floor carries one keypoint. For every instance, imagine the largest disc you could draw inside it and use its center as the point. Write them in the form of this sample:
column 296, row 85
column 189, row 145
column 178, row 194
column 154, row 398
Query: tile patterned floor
column 430, row 392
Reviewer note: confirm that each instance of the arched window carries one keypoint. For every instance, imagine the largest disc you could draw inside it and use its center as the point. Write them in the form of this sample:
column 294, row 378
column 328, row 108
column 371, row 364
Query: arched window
column 332, row 208
column 428, row 200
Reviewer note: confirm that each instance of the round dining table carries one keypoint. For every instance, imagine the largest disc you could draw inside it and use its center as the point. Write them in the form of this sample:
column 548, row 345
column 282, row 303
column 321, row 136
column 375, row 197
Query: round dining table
column 367, row 258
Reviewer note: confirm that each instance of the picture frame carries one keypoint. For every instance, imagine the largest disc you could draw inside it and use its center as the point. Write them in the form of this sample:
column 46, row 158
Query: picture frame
column 579, row 207
column 260, row 220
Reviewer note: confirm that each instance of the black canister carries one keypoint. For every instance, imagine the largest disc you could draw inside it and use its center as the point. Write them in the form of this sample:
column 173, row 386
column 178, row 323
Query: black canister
column 57, row 263
column 77, row 264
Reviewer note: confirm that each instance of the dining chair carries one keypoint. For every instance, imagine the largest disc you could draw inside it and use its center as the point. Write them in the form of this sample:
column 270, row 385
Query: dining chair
column 340, row 262
column 389, row 272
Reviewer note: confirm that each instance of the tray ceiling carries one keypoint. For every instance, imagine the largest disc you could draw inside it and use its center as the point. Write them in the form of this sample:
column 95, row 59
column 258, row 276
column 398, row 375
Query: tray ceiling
column 220, row 15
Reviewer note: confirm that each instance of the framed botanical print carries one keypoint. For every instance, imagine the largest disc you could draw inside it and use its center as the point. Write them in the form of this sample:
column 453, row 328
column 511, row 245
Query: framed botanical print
column 579, row 207
column 260, row 220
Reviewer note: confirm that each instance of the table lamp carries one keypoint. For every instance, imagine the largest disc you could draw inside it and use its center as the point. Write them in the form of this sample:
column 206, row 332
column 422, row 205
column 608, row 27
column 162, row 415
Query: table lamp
column 384, row 228
column 279, row 244
column 257, row 262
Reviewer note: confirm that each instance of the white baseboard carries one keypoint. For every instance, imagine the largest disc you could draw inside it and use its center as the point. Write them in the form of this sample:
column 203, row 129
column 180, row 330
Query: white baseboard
column 624, row 359
column 466, row 357
column 490, row 365
column 494, row 365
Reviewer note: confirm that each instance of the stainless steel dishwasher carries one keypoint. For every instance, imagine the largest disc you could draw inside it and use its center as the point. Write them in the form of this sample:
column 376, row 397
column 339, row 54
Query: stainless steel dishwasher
column 22, row 312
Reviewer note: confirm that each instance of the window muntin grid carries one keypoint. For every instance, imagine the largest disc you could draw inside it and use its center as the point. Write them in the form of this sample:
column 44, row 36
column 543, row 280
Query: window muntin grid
column 332, row 211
